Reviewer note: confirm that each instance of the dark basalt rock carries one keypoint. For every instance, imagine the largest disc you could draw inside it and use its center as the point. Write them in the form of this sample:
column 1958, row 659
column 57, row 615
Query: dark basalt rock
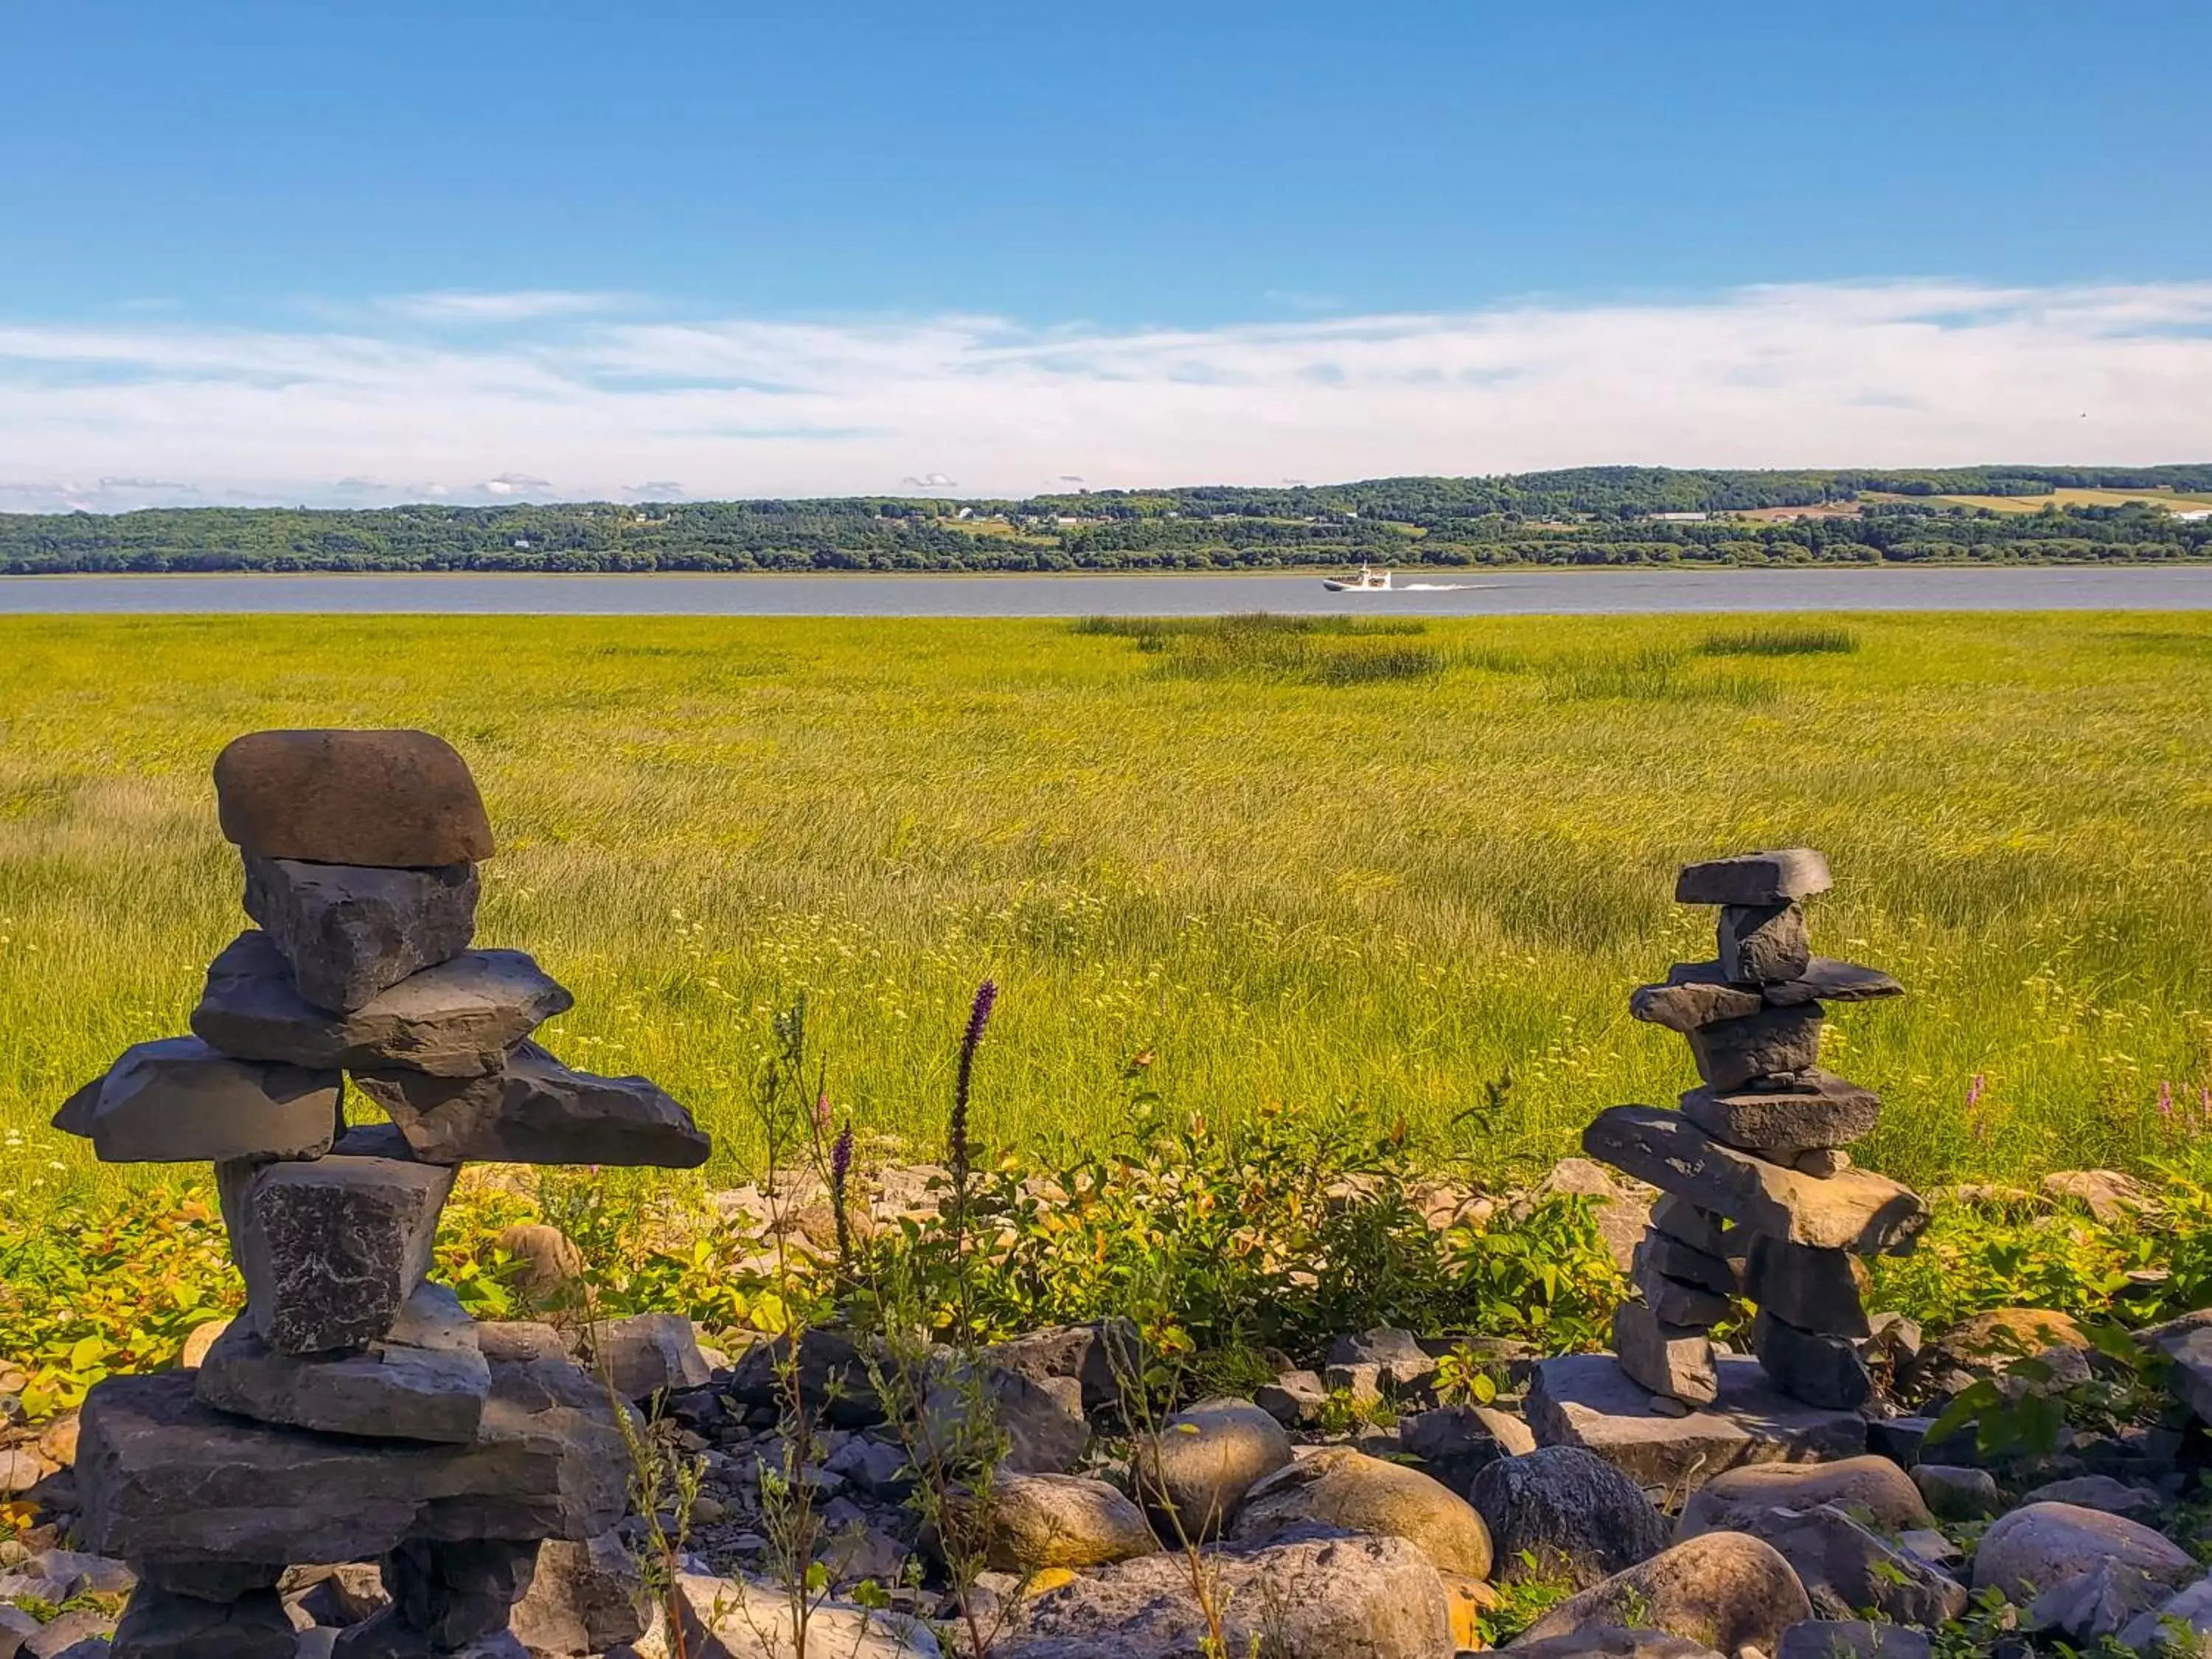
column 178, row 1101
column 349, row 931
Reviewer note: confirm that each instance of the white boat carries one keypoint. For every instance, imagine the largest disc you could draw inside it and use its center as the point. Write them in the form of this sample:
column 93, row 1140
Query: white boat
column 1367, row 581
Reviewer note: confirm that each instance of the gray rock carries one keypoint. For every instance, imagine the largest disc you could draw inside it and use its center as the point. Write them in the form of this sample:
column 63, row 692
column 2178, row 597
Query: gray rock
column 1856, row 1211
column 1852, row 1638
column 1361, row 1385
column 349, row 931
column 1459, row 1441
column 648, row 1354
column 2098, row 1602
column 1815, row 1109
column 177, row 1101
column 1846, row 1569
column 1336, row 1487
column 1672, row 1360
column 537, row 1110
column 750, row 1619
column 1763, row 943
column 1814, row 1290
column 457, row 1019
column 1696, row 994
column 1956, row 1493
column 1676, row 1303
column 78, row 1633
column 396, row 797
column 163, row 1478
column 337, row 1594
column 831, row 1373
column 2188, row 1343
column 1330, row 1596
column 1611, row 1642
column 1041, row 1418
column 331, row 1250
column 878, row 1468
column 2180, row 1625
column 587, row 1596
column 387, row 1636
column 1587, row 1400
column 1779, row 876
column 1707, row 1270
column 157, row 1625
column 1774, row 1042
column 1871, row 1487
column 1722, row 1588
column 204, row 1580
column 1825, row 979
column 2026, row 1552
column 425, row 1380
column 1570, row 1512
column 2100, row 1491
column 1819, row 1369
column 1201, row 1462
column 1403, row 1362
column 1295, row 1398
column 1041, row 1521
column 1680, row 1220
column 455, row 1592
column 16, row 1627
column 1107, row 1357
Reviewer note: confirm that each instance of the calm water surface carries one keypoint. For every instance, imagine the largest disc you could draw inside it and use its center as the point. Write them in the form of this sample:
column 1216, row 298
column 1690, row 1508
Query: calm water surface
column 2179, row 587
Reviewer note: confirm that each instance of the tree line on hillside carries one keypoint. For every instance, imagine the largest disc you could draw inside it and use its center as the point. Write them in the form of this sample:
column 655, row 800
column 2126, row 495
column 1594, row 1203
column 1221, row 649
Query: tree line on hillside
column 1589, row 515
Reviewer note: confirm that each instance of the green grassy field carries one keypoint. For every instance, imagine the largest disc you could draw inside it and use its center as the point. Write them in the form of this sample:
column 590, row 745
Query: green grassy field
column 1397, row 871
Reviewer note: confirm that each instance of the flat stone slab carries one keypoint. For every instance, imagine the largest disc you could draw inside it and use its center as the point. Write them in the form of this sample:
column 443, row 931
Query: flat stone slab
column 426, row 1380
column 1731, row 1052
column 1772, row 878
column 331, row 1250
column 1586, row 1400
column 1817, row 1109
column 349, row 931
column 1826, row 979
column 1855, row 1210
column 458, row 1018
column 1698, row 993
column 400, row 799
column 178, row 1101
column 538, row 1111
column 163, row 1478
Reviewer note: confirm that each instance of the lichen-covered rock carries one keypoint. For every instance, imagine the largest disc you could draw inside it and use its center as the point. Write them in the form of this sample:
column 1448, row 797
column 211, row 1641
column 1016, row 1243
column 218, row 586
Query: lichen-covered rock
column 1570, row 1511
column 1194, row 1472
column 1041, row 1521
column 1336, row 1487
column 1725, row 1589
column 2025, row 1552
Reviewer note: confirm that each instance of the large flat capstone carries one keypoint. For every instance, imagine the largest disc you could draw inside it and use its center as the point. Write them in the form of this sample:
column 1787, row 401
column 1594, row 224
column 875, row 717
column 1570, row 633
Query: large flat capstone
column 349, row 931
column 1855, row 1210
column 331, row 1250
column 401, row 799
column 178, row 1101
column 537, row 1110
column 164, row 1479
column 457, row 1019
column 1772, row 878
column 1586, row 1400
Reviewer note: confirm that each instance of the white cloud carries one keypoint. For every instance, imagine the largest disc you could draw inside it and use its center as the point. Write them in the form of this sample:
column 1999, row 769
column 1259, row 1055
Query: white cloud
column 1858, row 375
column 520, row 306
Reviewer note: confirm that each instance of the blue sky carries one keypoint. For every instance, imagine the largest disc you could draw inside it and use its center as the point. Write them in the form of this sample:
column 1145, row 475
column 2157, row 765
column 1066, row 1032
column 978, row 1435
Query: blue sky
column 231, row 236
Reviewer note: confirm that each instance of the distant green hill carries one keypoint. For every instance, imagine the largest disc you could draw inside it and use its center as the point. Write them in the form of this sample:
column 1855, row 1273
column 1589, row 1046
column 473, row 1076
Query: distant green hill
column 1585, row 515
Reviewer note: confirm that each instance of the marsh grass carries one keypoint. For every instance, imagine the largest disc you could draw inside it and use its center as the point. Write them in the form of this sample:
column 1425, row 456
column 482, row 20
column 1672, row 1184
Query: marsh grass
column 1389, row 893
column 1779, row 640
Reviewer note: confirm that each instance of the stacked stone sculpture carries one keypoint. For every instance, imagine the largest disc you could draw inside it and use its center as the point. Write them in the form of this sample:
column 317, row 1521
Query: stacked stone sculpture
column 354, row 1412
column 1760, row 1199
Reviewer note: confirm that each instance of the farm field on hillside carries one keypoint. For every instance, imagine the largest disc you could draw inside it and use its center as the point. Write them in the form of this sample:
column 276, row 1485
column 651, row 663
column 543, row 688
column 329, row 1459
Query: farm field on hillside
column 1216, row 863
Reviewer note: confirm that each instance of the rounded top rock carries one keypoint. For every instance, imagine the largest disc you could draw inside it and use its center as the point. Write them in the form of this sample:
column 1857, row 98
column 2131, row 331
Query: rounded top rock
column 1337, row 1486
column 2038, row 1546
column 394, row 800
column 1732, row 1499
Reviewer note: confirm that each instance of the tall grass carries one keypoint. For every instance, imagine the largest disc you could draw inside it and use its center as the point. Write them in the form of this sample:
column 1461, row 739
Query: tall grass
column 1393, row 892
column 1779, row 640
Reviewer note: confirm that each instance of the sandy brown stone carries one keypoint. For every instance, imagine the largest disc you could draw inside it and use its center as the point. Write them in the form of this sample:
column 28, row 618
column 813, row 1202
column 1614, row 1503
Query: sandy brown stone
column 400, row 798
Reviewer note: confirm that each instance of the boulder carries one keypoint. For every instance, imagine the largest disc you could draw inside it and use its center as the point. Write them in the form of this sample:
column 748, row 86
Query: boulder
column 1611, row 1642
column 1725, row 1589
column 393, row 798
column 76, row 1633
column 1779, row 876
column 1873, row 1488
column 2025, row 1552
column 1763, row 943
column 750, row 1618
column 1957, row 1494
column 2180, row 1623
column 164, row 1479
column 1296, row 1399
column 342, row 1594
column 1398, row 1356
column 178, row 1101
column 1988, row 1342
column 1336, row 1486
column 1856, row 1210
column 1677, row 1304
column 1201, row 1462
column 1329, row 1597
column 2099, row 1491
column 1846, row 1569
column 457, row 1019
column 1040, row 1521
column 1587, row 1401
column 1569, row 1512
column 1782, row 1119
column 1814, row 1290
column 349, row 931
column 1041, row 1419
column 426, row 1379
column 587, row 1596
column 1457, row 1442
column 1106, row 1357
column 2100, row 1602
column 331, row 1250
column 832, row 1376
column 1852, row 1638
column 648, row 1354
column 385, row 1635
column 1774, row 1042
column 1819, row 1369
column 2107, row 1194
column 537, row 1110
column 1672, row 1360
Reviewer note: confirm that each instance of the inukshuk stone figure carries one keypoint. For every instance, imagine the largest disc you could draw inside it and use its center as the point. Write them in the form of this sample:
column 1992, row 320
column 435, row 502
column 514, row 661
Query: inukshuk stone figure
column 1759, row 1197
column 354, row 1412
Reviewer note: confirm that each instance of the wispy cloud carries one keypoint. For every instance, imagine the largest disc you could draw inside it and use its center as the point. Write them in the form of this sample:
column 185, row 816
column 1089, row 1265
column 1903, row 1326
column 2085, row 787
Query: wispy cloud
column 579, row 404
column 522, row 305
